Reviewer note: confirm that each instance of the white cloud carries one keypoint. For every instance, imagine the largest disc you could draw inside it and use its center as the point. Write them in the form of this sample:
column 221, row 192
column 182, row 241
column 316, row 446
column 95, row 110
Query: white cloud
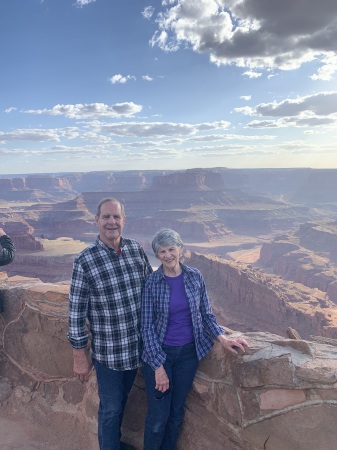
column 252, row 33
column 11, row 109
column 236, row 137
column 246, row 110
column 147, row 78
column 312, row 132
column 329, row 67
column 156, row 129
column 246, row 97
column 252, row 74
column 323, row 103
column 308, row 111
column 84, row 2
column 90, row 111
column 148, row 12
column 40, row 135
column 118, row 78
column 302, row 121
column 265, row 124
column 34, row 135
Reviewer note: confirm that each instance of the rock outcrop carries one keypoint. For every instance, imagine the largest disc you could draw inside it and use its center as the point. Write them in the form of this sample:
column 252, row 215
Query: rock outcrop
column 248, row 299
column 289, row 260
column 56, row 187
column 193, row 179
column 243, row 402
column 50, row 268
column 320, row 237
column 22, row 234
column 71, row 219
column 35, row 188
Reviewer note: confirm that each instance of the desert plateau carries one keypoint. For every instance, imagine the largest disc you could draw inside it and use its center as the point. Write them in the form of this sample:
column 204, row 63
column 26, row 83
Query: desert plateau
column 265, row 241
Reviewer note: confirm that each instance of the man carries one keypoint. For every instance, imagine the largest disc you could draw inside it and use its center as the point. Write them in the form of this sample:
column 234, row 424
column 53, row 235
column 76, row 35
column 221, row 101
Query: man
column 7, row 253
column 105, row 288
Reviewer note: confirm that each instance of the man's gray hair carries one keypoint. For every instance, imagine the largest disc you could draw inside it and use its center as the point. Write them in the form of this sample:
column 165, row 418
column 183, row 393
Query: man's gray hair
column 164, row 238
column 109, row 199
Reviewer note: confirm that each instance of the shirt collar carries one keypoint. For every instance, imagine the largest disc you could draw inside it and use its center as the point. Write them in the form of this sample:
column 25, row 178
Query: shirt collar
column 109, row 249
column 161, row 274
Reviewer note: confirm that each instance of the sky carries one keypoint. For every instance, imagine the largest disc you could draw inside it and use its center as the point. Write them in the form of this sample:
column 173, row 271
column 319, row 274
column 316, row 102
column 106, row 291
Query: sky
column 91, row 85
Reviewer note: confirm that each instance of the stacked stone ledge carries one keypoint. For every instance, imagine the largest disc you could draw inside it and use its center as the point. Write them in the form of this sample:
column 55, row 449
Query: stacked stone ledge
column 276, row 396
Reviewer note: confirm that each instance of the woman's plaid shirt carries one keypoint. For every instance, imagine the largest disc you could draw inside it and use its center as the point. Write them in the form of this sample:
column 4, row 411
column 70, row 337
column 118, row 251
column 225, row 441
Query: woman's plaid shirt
column 155, row 315
column 106, row 289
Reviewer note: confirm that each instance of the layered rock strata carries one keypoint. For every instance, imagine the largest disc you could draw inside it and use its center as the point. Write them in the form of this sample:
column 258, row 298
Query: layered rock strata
column 248, row 299
column 302, row 265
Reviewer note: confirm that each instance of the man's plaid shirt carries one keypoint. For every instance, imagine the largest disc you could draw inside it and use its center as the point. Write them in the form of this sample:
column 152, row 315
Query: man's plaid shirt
column 106, row 289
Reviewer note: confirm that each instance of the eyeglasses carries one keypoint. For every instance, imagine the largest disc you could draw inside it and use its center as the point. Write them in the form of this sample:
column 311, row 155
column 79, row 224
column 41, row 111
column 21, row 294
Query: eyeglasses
column 158, row 395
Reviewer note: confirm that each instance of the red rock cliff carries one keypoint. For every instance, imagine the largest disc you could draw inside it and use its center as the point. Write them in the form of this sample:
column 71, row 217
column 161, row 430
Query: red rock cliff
column 248, row 299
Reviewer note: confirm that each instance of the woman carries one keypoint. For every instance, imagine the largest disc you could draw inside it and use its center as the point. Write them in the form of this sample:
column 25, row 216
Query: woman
column 178, row 329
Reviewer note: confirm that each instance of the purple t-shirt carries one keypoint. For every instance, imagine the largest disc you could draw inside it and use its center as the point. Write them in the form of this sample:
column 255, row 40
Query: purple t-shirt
column 179, row 328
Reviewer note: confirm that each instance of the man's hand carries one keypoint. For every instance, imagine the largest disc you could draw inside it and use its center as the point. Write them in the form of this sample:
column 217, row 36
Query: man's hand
column 233, row 345
column 82, row 364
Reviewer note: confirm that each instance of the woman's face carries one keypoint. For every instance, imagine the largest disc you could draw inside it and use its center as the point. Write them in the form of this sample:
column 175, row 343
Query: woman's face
column 169, row 256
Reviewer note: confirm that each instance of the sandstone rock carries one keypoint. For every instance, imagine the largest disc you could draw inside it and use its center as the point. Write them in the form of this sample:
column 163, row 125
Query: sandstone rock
column 332, row 291
column 274, row 396
column 5, row 389
column 247, row 299
column 5, row 184
column 191, row 180
column 278, row 399
column 320, row 237
column 302, row 265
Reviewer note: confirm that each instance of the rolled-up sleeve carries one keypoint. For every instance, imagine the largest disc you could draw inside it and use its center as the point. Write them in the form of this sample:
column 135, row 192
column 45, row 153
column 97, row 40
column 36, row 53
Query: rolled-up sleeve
column 78, row 308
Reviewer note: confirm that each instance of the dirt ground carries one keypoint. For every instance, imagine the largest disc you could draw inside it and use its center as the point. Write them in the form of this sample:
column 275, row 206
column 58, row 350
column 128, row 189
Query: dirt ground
column 17, row 435
column 33, row 429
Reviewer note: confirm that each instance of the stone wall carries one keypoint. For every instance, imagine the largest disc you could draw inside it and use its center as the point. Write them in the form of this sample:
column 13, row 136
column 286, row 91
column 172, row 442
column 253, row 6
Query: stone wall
column 276, row 396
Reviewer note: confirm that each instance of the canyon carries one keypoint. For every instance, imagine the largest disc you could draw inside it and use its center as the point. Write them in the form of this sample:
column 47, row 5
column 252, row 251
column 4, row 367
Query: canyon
column 265, row 241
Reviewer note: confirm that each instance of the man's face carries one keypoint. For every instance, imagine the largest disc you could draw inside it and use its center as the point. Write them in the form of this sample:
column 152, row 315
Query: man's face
column 110, row 223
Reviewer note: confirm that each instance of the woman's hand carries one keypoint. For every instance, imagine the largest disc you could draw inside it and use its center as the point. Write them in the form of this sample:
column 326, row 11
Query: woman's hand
column 233, row 345
column 162, row 381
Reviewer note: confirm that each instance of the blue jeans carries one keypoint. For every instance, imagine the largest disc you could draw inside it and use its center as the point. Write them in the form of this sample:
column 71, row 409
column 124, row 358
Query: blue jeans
column 113, row 389
column 165, row 416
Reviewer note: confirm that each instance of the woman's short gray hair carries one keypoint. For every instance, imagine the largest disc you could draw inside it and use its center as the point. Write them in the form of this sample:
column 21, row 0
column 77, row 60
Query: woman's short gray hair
column 164, row 238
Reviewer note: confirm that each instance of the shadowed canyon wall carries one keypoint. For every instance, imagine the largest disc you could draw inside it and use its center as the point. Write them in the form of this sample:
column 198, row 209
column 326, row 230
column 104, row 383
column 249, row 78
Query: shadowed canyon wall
column 307, row 257
column 248, row 299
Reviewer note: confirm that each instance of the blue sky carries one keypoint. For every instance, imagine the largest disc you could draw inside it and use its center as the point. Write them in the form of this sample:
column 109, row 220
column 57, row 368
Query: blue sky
column 131, row 84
